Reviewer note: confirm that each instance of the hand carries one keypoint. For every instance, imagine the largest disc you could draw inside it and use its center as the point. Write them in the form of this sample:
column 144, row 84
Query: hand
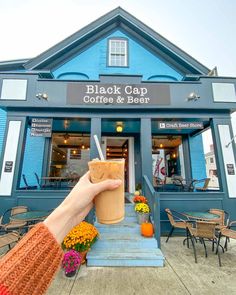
column 77, row 205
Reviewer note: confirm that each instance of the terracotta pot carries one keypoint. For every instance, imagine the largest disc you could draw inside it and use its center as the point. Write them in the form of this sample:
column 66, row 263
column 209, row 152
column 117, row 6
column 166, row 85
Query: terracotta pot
column 84, row 254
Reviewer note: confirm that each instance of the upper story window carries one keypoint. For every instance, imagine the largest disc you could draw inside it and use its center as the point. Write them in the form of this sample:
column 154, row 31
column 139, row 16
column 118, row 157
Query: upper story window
column 118, row 53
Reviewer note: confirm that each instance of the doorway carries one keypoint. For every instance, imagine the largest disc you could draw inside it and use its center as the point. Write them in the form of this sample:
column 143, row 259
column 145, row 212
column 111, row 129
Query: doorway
column 121, row 147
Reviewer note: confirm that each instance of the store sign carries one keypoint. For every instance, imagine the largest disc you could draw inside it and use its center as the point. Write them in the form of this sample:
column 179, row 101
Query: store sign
column 8, row 166
column 41, row 127
column 118, row 94
column 230, row 169
column 180, row 125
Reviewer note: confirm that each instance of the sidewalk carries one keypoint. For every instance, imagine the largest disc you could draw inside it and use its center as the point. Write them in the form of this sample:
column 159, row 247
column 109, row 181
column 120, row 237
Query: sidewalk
column 181, row 275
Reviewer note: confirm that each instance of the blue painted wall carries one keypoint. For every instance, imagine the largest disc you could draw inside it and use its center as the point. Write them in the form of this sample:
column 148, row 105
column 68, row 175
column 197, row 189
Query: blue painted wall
column 3, row 118
column 33, row 158
column 93, row 61
column 197, row 157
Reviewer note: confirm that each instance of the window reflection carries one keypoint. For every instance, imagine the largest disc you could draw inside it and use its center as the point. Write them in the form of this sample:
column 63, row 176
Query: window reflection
column 70, row 154
column 167, row 158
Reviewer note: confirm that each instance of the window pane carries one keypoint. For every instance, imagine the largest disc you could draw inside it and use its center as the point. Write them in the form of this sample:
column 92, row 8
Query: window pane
column 118, row 53
column 14, row 89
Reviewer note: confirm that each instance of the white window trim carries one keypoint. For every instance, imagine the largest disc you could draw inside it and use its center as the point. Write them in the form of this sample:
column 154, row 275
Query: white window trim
column 126, row 52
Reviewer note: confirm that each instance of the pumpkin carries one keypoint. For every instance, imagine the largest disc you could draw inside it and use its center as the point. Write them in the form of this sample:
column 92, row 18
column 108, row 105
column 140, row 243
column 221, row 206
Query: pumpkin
column 147, row 229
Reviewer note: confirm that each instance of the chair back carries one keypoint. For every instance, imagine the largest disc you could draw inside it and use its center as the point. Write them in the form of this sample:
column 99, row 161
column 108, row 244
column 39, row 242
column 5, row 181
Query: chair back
column 37, row 178
column 18, row 209
column 206, row 183
column 170, row 216
column 25, row 181
column 205, row 229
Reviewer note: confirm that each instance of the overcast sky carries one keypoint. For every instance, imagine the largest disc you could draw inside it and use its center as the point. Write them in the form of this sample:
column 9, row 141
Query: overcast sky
column 204, row 29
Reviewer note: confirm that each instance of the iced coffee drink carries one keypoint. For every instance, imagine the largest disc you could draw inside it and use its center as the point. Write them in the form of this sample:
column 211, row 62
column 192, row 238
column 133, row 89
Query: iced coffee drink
column 109, row 205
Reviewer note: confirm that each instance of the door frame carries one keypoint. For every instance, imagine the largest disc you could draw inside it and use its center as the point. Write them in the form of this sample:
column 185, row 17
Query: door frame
column 131, row 157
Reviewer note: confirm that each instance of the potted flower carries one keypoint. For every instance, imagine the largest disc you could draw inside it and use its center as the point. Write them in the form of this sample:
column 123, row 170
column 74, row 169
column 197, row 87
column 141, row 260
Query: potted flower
column 142, row 211
column 71, row 262
column 81, row 238
column 139, row 199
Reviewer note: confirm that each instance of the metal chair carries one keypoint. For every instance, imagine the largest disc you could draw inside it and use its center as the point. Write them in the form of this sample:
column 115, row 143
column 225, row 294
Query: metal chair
column 205, row 184
column 203, row 230
column 8, row 239
column 177, row 220
column 13, row 224
column 26, row 183
column 228, row 233
column 223, row 220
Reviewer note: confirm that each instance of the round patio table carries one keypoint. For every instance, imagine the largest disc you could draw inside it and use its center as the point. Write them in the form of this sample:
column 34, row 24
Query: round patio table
column 201, row 215
column 30, row 216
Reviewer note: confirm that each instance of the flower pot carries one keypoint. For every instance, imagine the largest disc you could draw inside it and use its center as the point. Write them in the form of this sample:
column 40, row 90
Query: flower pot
column 84, row 254
column 70, row 274
column 142, row 217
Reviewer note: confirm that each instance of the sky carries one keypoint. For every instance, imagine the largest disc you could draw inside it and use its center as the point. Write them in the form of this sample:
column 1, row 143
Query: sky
column 205, row 29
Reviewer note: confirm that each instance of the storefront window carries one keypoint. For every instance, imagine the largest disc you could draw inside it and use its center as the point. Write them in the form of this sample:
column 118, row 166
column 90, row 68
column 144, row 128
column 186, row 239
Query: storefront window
column 69, row 156
column 167, row 159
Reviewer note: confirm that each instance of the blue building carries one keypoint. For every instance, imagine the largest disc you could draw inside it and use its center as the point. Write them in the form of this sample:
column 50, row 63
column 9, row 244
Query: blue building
column 146, row 99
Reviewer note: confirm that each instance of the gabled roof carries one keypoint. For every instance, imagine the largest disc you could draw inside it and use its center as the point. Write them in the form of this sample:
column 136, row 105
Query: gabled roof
column 11, row 65
column 122, row 19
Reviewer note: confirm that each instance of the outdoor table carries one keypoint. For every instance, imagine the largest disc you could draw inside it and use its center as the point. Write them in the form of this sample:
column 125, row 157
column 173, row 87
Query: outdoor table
column 30, row 216
column 206, row 216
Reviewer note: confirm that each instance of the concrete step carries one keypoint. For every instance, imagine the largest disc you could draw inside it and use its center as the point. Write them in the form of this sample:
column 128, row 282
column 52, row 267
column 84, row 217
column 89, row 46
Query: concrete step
column 116, row 258
column 125, row 228
column 127, row 220
column 128, row 240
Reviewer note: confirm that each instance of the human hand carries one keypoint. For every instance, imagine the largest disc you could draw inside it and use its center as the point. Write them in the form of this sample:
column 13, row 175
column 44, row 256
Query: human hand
column 77, row 205
column 80, row 200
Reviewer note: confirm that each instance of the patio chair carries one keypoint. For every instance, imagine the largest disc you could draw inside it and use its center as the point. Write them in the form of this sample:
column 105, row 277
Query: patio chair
column 177, row 220
column 8, row 239
column 202, row 231
column 228, row 233
column 42, row 186
column 205, row 182
column 13, row 224
column 27, row 186
column 223, row 220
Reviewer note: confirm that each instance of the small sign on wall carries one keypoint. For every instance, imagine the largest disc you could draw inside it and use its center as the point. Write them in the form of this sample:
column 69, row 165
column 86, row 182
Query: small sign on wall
column 230, row 169
column 8, row 166
column 41, row 127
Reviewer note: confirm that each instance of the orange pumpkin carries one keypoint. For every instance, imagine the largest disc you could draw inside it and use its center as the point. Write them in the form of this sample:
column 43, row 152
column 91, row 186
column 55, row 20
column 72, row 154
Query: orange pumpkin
column 147, row 229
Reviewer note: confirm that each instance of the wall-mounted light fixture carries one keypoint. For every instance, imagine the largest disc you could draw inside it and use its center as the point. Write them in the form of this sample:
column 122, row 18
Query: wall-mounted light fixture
column 42, row 96
column 119, row 127
column 231, row 140
column 193, row 96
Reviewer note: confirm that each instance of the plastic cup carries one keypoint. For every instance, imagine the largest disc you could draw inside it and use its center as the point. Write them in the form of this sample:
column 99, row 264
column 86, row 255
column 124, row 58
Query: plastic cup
column 109, row 205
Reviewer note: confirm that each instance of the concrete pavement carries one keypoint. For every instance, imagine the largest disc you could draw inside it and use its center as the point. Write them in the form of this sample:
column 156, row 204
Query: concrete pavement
column 181, row 275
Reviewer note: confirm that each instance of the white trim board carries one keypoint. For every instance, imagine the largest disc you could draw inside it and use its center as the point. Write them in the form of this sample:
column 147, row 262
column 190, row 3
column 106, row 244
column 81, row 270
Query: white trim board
column 10, row 152
column 228, row 158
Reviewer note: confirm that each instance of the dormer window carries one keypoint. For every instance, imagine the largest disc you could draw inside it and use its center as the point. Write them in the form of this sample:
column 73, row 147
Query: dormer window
column 118, row 53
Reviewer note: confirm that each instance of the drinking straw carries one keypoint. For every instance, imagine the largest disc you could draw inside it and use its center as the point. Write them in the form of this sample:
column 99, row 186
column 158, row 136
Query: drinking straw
column 98, row 147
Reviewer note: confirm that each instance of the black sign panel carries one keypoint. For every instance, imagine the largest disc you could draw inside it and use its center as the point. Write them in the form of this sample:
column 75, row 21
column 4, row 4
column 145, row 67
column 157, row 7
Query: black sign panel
column 230, row 169
column 118, row 94
column 180, row 125
column 8, row 166
column 41, row 127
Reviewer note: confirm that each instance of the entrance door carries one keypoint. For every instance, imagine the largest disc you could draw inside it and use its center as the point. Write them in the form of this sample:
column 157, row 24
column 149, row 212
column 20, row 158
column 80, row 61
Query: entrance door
column 121, row 147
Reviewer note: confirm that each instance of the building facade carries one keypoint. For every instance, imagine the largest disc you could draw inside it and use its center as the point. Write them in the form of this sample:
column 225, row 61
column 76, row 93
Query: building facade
column 146, row 100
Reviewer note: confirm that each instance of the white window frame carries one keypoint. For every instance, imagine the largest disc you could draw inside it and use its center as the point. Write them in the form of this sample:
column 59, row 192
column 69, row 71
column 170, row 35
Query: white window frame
column 118, row 54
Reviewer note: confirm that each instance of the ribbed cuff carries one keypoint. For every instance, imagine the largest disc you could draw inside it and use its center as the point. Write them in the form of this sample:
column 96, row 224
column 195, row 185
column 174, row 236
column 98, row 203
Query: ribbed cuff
column 29, row 267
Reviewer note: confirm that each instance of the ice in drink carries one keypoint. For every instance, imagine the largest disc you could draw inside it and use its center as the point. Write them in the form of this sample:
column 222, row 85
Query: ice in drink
column 109, row 205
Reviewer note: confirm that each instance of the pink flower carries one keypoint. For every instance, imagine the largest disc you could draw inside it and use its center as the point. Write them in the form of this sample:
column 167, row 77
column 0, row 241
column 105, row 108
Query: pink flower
column 71, row 261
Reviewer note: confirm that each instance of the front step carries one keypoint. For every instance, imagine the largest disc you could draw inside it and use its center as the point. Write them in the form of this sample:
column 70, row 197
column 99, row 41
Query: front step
column 121, row 244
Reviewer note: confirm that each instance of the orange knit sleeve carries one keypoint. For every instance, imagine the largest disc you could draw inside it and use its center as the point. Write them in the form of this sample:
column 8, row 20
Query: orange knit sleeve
column 30, row 266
